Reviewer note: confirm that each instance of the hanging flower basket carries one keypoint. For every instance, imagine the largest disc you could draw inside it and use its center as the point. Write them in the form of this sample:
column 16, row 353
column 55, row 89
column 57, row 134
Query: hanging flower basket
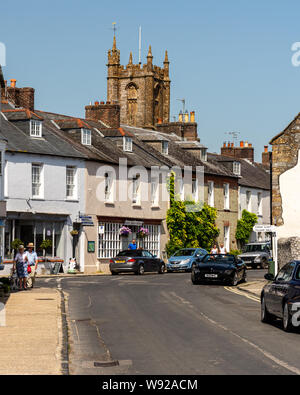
column 125, row 231
column 142, row 233
column 74, row 233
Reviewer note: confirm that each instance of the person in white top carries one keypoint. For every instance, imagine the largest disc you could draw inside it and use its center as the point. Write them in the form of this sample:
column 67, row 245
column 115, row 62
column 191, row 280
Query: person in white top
column 214, row 250
column 223, row 249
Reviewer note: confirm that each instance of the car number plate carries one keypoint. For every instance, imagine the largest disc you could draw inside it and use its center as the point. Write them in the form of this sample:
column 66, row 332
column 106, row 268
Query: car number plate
column 211, row 275
column 120, row 261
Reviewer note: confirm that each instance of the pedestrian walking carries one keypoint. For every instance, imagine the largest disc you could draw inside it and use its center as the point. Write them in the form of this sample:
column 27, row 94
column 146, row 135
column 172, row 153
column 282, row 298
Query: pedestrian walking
column 214, row 250
column 20, row 265
column 32, row 261
column 223, row 249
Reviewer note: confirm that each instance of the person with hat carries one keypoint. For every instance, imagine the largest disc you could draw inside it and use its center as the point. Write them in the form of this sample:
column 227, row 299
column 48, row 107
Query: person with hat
column 32, row 260
column 20, row 265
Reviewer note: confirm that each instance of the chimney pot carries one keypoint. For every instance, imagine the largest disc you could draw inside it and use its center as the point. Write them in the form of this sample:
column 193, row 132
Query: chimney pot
column 266, row 149
column 96, row 103
column 13, row 83
column 102, row 102
column 242, row 144
column 224, row 145
column 250, row 145
column 108, row 102
column 232, row 145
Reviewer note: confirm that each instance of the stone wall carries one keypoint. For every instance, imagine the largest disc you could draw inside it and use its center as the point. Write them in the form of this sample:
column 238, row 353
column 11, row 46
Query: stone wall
column 285, row 149
column 288, row 250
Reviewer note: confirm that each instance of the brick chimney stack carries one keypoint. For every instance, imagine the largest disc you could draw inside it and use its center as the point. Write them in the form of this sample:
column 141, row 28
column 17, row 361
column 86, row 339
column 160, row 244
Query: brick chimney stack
column 266, row 157
column 21, row 97
column 108, row 113
column 244, row 151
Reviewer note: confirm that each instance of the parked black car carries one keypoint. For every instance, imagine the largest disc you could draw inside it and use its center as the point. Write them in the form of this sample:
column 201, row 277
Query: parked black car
column 279, row 298
column 219, row 268
column 136, row 261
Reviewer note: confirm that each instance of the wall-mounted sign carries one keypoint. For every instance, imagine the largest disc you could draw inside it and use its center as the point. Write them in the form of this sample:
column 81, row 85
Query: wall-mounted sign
column 101, row 229
column 91, row 246
column 265, row 228
column 134, row 223
column 85, row 220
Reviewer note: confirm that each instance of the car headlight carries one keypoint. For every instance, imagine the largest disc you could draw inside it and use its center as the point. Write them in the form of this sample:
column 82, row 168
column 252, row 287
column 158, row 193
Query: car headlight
column 185, row 262
column 257, row 259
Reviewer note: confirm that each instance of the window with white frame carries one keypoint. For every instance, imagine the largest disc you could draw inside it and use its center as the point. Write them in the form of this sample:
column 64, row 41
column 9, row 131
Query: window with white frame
column 136, row 183
column 127, row 144
column 152, row 241
column 154, row 191
column 6, row 179
column 165, row 147
column 35, row 128
column 248, row 200
column 203, row 154
column 71, row 182
column 227, row 238
column 237, row 168
column 195, row 192
column 86, row 137
column 211, row 194
column 36, row 174
column 110, row 243
column 226, row 197
column 259, row 203
column 109, row 193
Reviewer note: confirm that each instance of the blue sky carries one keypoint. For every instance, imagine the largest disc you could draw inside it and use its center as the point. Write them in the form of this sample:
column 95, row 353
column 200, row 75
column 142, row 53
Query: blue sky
column 230, row 60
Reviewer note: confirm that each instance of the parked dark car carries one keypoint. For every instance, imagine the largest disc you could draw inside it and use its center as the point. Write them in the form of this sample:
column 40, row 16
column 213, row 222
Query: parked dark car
column 219, row 268
column 136, row 261
column 279, row 298
column 1, row 266
column 256, row 254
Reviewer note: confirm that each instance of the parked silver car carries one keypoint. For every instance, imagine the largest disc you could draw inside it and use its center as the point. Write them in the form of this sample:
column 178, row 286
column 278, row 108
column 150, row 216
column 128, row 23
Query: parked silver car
column 256, row 254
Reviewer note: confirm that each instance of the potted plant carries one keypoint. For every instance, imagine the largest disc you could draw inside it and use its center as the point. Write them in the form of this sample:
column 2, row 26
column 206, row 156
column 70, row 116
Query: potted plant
column 46, row 244
column 125, row 231
column 15, row 244
column 74, row 232
column 142, row 233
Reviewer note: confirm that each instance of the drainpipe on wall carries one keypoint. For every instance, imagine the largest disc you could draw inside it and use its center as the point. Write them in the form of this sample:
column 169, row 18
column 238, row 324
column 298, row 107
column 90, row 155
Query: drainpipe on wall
column 271, row 188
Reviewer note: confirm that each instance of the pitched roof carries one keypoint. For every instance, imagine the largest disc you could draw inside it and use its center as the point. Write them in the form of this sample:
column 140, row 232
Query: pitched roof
column 20, row 114
column 49, row 144
column 252, row 174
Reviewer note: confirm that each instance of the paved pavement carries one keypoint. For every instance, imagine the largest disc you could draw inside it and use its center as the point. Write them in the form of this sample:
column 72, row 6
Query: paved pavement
column 162, row 324
column 30, row 342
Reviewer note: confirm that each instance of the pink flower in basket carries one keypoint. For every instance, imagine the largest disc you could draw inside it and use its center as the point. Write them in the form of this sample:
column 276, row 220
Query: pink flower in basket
column 143, row 232
column 125, row 231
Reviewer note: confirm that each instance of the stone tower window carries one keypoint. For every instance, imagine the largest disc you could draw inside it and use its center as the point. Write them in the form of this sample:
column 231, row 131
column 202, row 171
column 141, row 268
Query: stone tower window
column 157, row 103
column 132, row 97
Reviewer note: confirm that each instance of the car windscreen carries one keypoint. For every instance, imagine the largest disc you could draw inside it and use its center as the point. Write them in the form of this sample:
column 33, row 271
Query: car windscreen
column 254, row 248
column 130, row 253
column 227, row 259
column 184, row 253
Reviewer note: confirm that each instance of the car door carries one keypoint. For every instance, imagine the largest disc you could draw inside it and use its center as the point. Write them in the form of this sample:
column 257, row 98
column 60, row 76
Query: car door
column 148, row 261
column 282, row 284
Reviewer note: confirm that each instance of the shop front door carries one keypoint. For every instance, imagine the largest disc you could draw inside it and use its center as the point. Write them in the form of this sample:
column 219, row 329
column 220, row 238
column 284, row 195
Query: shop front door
column 27, row 234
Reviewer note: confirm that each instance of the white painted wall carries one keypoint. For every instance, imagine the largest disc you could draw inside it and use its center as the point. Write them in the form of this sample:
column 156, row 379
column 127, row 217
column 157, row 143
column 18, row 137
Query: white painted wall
column 18, row 189
column 262, row 219
column 290, row 192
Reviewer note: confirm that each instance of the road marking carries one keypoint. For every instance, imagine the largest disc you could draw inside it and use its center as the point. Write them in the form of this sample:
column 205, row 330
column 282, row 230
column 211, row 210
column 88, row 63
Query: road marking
column 242, row 293
column 267, row 354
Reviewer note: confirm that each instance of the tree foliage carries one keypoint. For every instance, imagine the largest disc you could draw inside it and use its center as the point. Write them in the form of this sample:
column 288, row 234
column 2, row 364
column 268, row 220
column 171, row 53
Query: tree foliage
column 245, row 227
column 189, row 228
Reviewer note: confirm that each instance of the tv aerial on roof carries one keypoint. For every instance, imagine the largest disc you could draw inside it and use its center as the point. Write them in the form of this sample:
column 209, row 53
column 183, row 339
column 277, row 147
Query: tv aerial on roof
column 234, row 135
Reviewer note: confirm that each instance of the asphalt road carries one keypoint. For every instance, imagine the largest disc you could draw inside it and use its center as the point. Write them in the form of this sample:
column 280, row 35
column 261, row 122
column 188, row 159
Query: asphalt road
column 162, row 324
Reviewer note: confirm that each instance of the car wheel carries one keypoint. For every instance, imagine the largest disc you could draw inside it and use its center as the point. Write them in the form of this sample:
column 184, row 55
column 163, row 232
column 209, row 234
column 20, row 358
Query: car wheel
column 235, row 280
column 266, row 317
column 193, row 278
column 287, row 319
column 264, row 264
column 141, row 270
column 162, row 269
column 245, row 276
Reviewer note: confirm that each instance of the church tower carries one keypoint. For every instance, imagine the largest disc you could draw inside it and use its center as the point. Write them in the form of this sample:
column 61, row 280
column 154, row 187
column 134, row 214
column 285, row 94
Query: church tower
column 143, row 92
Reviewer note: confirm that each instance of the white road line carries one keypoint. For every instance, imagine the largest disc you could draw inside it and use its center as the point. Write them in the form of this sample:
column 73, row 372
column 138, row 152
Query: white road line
column 268, row 355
